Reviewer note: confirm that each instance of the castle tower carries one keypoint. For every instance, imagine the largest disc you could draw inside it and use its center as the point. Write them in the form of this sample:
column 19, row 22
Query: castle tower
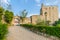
column 49, row 13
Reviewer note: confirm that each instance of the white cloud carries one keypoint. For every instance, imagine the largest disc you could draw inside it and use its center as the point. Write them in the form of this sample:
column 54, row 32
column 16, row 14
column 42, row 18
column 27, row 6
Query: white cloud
column 38, row 5
column 37, row 1
column 55, row 2
column 5, row 1
column 47, row 2
column 30, row 14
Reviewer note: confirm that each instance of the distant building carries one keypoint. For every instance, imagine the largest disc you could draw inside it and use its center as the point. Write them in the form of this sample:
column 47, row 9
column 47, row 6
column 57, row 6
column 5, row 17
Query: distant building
column 17, row 20
column 35, row 18
column 47, row 14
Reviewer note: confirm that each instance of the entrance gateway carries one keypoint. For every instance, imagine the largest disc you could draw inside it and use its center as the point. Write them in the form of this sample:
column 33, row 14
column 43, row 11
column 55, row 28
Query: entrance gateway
column 16, row 21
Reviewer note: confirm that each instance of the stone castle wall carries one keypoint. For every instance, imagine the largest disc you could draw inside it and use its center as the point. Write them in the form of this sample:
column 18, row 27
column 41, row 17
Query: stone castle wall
column 36, row 18
column 47, row 13
column 52, row 13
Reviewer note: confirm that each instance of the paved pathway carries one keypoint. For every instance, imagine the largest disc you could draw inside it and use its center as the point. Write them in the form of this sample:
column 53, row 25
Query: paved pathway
column 20, row 33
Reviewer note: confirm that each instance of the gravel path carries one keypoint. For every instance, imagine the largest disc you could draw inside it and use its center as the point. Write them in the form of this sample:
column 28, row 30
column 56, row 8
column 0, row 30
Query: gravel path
column 20, row 33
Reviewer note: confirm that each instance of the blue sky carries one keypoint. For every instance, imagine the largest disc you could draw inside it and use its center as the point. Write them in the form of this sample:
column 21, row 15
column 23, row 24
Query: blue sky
column 32, row 6
column 29, row 5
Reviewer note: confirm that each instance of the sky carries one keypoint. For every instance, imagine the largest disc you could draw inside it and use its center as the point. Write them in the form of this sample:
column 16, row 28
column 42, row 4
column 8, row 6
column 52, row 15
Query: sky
column 31, row 6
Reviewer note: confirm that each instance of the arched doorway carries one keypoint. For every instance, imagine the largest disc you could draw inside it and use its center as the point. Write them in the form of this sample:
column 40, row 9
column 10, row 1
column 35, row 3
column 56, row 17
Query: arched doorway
column 16, row 21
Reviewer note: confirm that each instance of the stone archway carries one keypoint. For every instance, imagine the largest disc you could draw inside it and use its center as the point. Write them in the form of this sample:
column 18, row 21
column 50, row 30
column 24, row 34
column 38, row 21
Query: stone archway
column 16, row 21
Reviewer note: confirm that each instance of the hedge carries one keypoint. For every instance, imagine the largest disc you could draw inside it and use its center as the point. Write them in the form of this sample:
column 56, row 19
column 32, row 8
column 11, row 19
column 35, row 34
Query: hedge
column 3, row 31
column 50, row 30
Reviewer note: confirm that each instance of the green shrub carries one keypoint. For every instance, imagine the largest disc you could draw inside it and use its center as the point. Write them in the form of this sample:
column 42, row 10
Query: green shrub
column 3, row 31
column 54, row 31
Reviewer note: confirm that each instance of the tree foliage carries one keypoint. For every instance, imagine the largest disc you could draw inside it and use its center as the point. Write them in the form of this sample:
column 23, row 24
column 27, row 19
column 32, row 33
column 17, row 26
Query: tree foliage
column 57, row 23
column 41, row 23
column 49, row 30
column 3, row 30
column 1, row 13
column 23, row 15
column 8, row 16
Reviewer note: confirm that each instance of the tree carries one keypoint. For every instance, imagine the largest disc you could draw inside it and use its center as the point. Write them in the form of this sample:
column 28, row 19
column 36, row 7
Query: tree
column 40, row 22
column 8, row 16
column 1, row 13
column 23, row 15
column 3, row 31
column 57, row 23
column 48, row 22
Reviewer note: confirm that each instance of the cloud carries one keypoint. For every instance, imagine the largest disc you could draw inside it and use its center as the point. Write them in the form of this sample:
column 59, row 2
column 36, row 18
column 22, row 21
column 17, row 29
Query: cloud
column 54, row 2
column 37, row 1
column 47, row 2
column 30, row 14
column 5, row 1
column 38, row 5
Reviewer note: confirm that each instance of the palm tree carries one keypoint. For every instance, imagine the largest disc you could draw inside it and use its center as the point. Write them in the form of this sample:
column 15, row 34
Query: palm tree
column 23, row 15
